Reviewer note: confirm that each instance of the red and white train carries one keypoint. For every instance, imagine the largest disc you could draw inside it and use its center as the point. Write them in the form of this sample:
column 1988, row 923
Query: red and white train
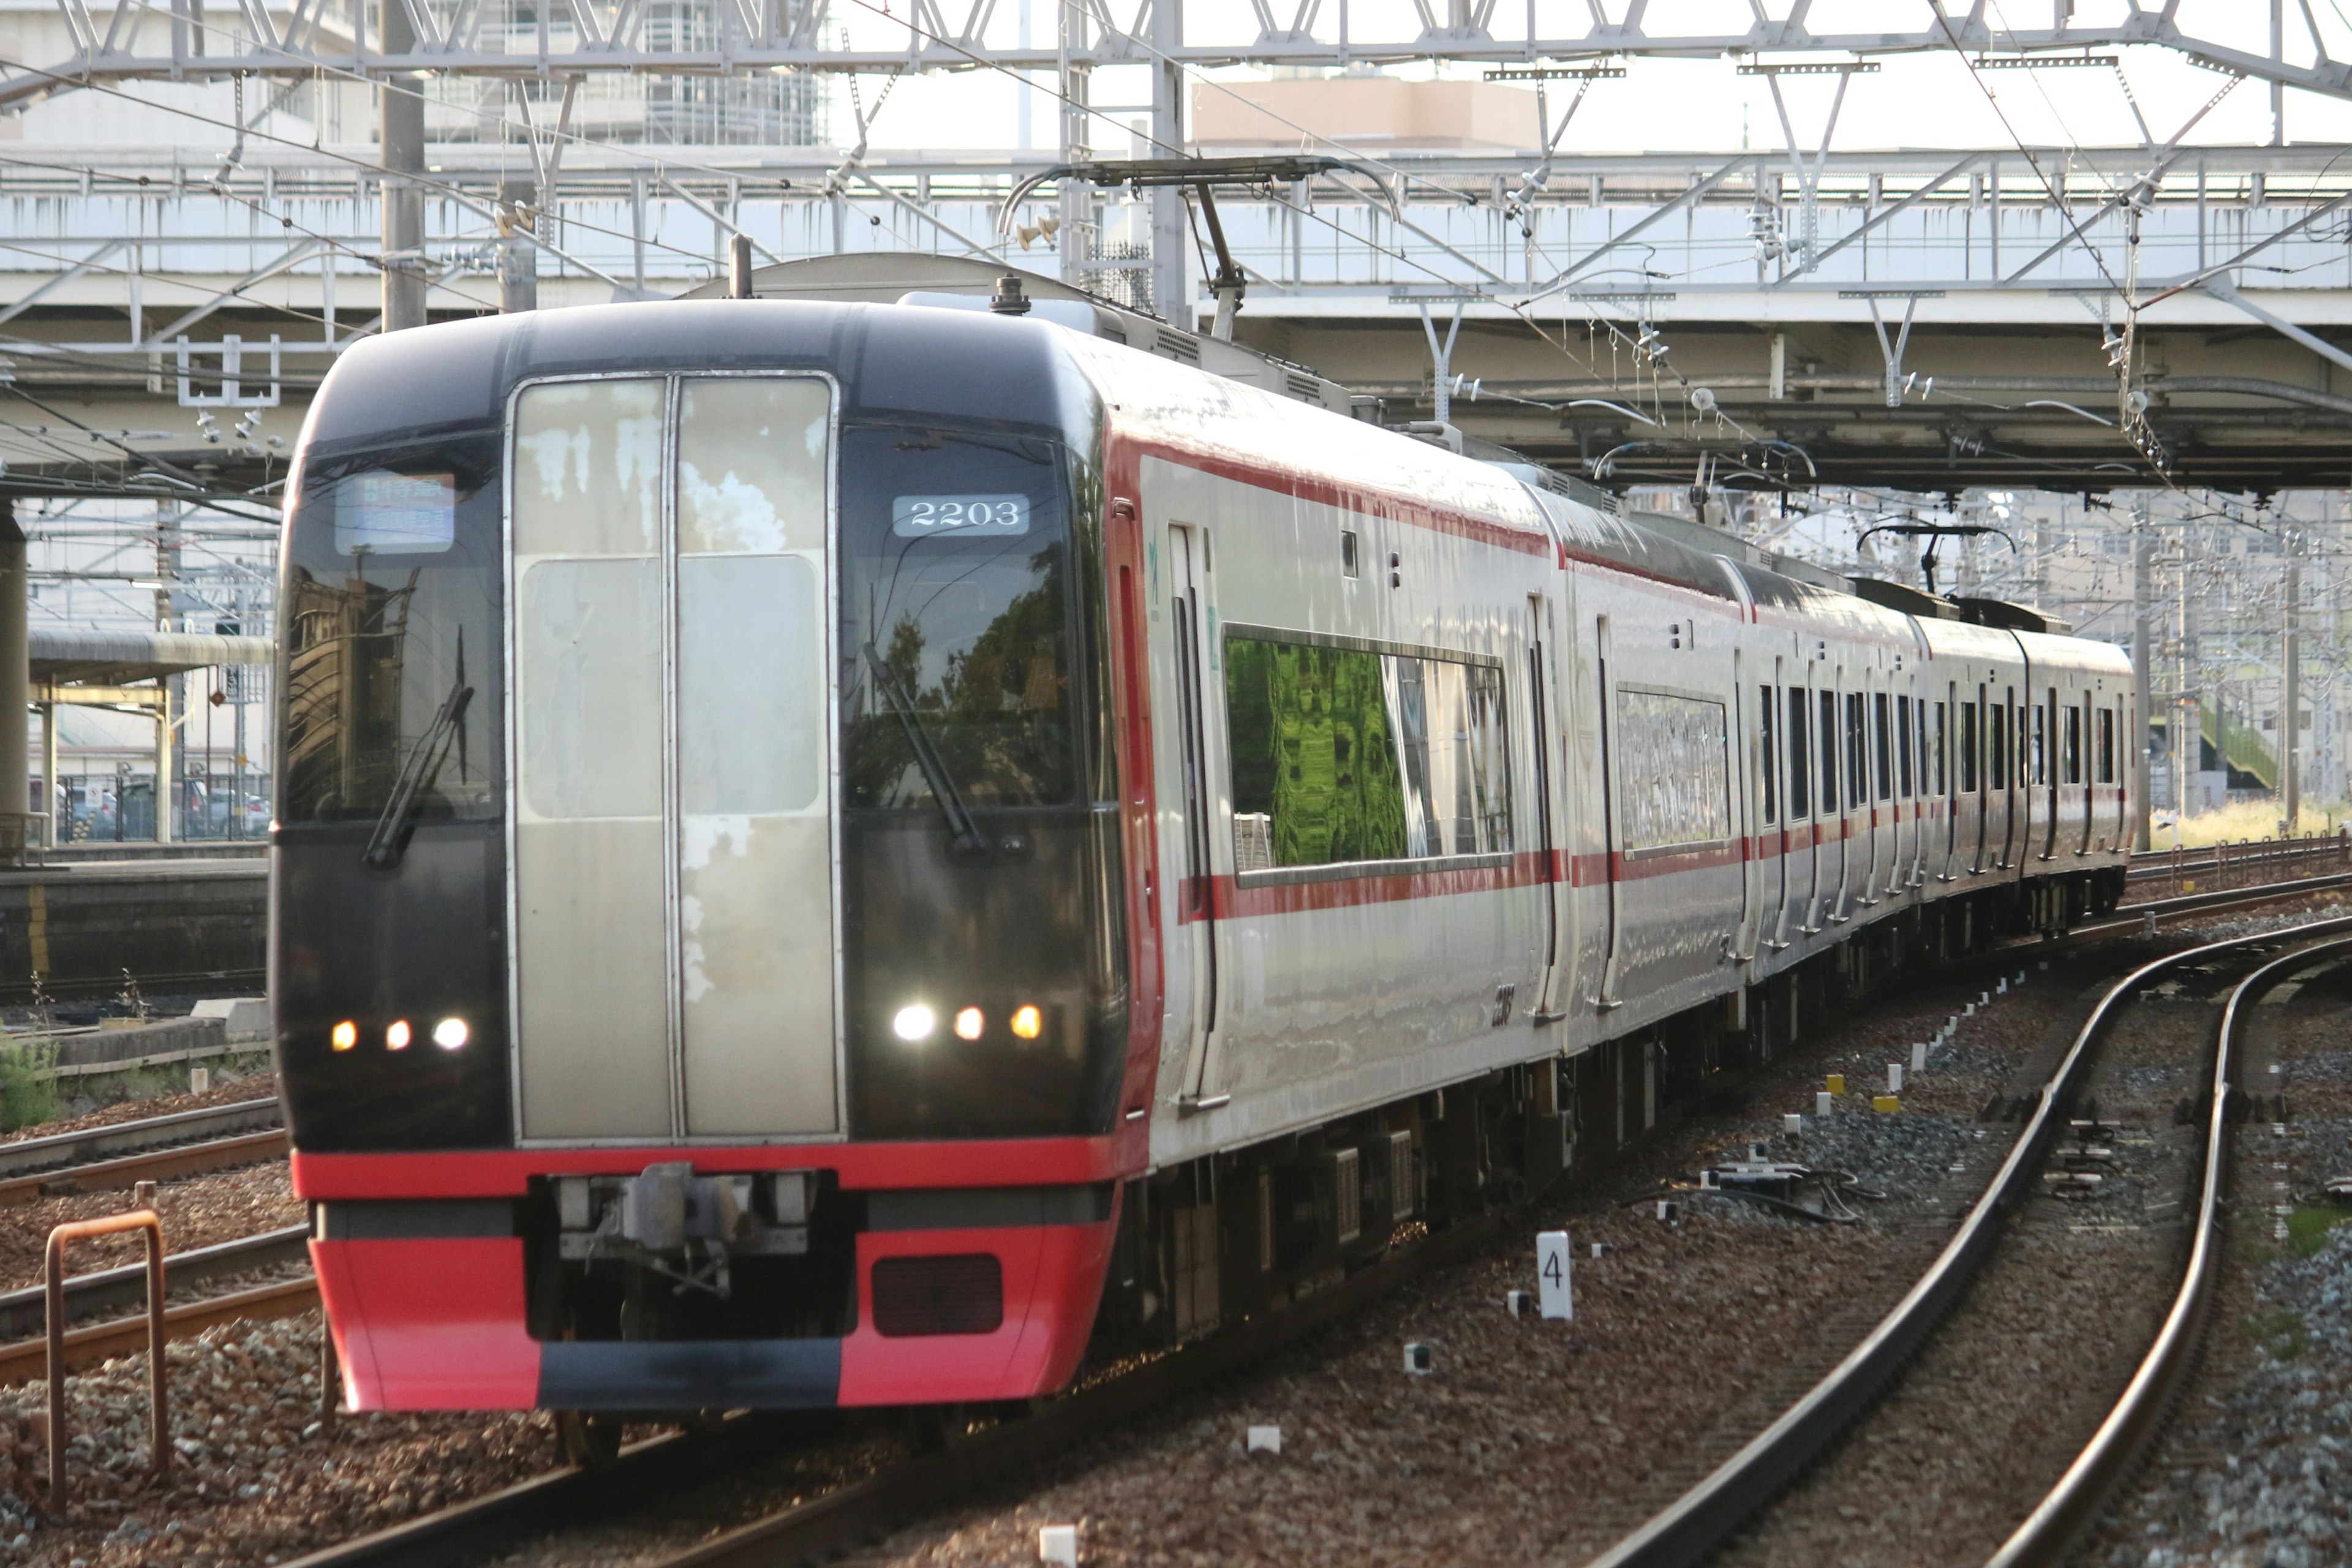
column 830, row 853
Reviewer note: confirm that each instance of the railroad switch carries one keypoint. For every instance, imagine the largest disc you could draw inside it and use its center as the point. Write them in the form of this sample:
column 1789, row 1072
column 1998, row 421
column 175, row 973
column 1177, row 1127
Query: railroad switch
column 1770, row 1178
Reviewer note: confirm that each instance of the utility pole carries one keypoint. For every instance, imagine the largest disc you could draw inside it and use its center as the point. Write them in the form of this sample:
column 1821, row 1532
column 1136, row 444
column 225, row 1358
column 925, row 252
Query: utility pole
column 2142, row 669
column 2291, row 703
column 401, row 150
column 1079, row 203
column 1171, row 218
column 518, row 221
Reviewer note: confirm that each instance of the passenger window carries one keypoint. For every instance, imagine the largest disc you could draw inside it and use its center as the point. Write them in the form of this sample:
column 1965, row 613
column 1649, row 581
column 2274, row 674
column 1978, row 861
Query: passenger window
column 1768, row 759
column 2041, row 761
column 1857, row 756
column 1939, row 735
column 1882, row 743
column 1344, row 754
column 1967, row 748
column 2074, row 744
column 2106, row 745
column 1828, row 751
column 1902, row 744
column 1673, row 771
column 1998, row 775
column 1800, row 762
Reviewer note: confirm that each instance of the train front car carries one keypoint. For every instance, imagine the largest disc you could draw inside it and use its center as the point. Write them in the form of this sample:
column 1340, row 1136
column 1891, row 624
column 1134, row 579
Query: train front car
column 697, row 933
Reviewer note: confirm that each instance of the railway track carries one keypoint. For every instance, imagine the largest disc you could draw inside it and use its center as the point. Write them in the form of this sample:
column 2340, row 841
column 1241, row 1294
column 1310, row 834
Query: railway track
column 159, row 1148
column 482, row 1530
column 474, row 1532
column 1708, row 1515
column 2072, row 1506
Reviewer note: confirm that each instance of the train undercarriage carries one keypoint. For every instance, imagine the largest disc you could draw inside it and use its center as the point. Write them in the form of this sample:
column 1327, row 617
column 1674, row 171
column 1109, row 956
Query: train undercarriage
column 1218, row 1238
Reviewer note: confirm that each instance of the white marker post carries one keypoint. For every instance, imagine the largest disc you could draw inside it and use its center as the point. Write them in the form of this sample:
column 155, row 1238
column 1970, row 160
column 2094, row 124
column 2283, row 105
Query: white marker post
column 1557, row 1293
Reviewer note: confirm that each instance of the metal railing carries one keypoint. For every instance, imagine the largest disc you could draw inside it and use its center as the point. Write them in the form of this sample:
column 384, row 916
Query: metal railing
column 53, row 1280
column 2247, row 858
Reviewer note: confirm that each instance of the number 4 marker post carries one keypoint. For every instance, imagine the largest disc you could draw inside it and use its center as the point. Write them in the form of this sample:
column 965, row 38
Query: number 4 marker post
column 1557, row 1293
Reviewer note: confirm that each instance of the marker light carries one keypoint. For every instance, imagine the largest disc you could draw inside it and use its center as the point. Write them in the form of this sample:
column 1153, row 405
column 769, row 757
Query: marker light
column 914, row 1022
column 969, row 1023
column 346, row 1036
column 449, row 1034
column 1028, row 1022
column 396, row 1036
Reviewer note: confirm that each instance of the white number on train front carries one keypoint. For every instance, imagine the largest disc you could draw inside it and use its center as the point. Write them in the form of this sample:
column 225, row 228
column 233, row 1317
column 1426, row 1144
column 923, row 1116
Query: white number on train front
column 923, row 517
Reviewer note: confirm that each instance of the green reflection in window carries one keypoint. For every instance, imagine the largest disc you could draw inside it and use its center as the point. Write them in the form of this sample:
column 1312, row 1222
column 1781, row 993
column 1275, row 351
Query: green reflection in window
column 1314, row 758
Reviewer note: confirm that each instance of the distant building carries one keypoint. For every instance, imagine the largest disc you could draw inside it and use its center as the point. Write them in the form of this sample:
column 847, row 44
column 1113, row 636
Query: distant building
column 1378, row 113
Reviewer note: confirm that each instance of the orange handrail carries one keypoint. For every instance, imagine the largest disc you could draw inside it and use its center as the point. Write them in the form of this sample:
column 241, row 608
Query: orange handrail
column 53, row 1279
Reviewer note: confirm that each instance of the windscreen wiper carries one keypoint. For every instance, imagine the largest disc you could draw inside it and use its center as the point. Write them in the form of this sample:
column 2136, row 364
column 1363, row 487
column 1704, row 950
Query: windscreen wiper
column 964, row 836
column 389, row 842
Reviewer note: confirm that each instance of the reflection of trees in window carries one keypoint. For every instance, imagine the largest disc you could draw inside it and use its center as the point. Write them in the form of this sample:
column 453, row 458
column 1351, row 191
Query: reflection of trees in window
column 998, row 715
column 344, row 659
column 1313, row 748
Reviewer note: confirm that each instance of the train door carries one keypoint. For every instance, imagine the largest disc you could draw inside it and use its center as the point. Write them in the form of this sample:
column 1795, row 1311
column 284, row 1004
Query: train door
column 1972, row 774
column 1771, row 838
column 1194, row 944
column 1543, row 697
column 1796, row 833
column 2016, row 834
column 1885, row 835
column 1605, row 997
column 673, row 804
column 1907, row 814
column 2078, row 772
column 1820, row 709
column 1843, row 720
column 1745, row 825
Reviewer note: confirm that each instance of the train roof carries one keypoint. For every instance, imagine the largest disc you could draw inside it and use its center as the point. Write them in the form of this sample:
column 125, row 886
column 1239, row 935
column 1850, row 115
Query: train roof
column 1003, row 369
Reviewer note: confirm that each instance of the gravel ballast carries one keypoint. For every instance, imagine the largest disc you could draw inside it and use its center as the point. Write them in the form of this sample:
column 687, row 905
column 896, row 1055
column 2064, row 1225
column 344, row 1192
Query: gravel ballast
column 1529, row 1440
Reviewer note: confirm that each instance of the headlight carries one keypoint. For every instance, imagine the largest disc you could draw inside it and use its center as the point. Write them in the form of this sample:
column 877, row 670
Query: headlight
column 969, row 1024
column 1028, row 1023
column 346, row 1034
column 396, row 1036
column 449, row 1034
column 914, row 1022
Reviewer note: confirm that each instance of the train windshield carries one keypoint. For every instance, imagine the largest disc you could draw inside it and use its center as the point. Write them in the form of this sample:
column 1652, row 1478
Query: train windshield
column 390, row 631
column 955, row 658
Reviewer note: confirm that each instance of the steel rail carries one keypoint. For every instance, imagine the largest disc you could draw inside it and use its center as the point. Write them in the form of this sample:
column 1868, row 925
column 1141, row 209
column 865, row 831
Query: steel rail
column 474, row 1532
column 1699, row 1520
column 24, row 1360
column 478, row 1531
column 2076, row 1502
column 160, row 1164
column 2127, row 916
column 31, row 1154
column 23, row 1311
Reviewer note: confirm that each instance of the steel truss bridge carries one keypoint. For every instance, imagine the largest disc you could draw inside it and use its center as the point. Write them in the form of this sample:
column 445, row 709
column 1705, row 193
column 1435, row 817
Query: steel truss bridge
column 2076, row 319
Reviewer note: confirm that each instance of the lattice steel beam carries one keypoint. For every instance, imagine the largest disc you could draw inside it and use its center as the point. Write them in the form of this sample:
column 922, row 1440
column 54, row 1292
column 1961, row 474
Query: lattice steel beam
column 610, row 36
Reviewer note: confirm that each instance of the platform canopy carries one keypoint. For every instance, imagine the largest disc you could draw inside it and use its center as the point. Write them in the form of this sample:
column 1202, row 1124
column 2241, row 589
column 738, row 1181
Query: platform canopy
column 61, row 655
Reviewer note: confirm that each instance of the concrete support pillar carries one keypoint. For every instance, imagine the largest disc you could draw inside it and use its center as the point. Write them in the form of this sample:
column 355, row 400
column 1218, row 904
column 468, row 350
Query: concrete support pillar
column 16, row 673
column 401, row 132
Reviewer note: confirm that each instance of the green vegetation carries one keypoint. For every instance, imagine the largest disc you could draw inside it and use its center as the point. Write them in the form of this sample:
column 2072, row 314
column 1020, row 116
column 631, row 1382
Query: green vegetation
column 1312, row 747
column 2307, row 1226
column 28, row 1085
column 2280, row 1333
